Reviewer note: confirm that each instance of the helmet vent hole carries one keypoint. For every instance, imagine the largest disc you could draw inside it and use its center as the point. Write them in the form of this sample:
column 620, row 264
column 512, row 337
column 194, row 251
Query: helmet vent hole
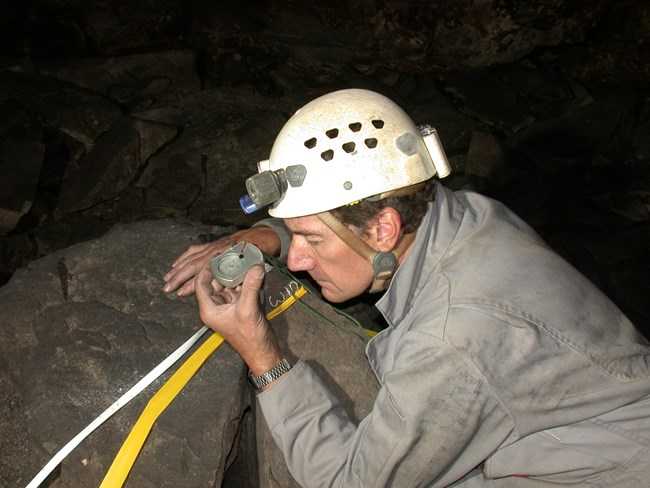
column 327, row 155
column 355, row 126
column 332, row 133
column 378, row 123
column 310, row 143
column 371, row 142
column 348, row 147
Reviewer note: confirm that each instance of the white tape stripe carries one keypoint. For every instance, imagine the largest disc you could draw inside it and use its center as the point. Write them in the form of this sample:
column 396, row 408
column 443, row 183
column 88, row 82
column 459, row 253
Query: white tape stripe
column 106, row 414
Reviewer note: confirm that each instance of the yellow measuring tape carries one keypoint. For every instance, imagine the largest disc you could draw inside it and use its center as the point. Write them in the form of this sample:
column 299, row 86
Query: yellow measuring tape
column 129, row 451
column 287, row 303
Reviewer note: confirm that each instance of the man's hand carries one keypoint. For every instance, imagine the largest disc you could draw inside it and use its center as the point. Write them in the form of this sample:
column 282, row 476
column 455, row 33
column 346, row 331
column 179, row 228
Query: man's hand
column 235, row 314
column 196, row 257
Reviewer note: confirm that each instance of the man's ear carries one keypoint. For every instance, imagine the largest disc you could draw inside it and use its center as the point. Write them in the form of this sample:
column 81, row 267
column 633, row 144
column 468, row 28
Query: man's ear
column 383, row 232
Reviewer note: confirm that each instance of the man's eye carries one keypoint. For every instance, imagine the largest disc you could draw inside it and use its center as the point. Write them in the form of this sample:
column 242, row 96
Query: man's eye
column 314, row 240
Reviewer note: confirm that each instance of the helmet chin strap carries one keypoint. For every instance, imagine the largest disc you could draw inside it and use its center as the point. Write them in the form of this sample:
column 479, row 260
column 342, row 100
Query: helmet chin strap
column 383, row 264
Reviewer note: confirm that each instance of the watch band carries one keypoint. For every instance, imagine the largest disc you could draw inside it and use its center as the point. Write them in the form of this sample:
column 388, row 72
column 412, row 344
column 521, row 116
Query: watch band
column 259, row 382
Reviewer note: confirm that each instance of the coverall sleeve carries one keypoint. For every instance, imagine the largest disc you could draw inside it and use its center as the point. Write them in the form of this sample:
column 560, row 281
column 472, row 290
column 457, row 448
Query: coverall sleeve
column 433, row 421
column 283, row 233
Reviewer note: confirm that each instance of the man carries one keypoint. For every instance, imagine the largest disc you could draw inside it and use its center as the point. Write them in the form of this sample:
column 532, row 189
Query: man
column 502, row 366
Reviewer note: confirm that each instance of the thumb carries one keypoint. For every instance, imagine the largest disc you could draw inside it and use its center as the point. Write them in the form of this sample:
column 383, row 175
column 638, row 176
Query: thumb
column 252, row 283
column 202, row 286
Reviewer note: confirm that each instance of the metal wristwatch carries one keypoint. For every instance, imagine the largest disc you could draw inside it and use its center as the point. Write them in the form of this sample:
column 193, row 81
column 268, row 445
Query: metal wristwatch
column 259, row 382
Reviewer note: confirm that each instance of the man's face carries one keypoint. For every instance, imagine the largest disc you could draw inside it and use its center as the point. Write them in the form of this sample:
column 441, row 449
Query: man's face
column 340, row 272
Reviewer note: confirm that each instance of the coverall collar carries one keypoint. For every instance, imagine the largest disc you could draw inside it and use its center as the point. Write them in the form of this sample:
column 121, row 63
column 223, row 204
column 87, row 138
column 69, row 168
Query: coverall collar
column 438, row 229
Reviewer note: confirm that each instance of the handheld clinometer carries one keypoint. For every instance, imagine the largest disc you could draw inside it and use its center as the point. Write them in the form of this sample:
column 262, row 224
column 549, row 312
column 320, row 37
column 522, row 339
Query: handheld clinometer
column 230, row 267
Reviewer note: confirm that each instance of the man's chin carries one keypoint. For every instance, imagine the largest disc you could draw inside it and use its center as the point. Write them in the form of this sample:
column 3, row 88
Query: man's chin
column 332, row 296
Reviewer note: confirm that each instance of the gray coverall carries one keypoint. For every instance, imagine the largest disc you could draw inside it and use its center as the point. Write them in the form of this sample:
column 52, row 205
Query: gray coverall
column 502, row 366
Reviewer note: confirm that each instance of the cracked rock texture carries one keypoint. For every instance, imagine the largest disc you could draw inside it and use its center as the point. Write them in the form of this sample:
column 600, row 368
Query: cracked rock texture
column 118, row 112
column 80, row 327
column 84, row 324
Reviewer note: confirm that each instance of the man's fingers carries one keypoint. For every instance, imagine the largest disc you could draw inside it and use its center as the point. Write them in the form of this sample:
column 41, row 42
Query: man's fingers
column 178, row 267
column 216, row 286
column 190, row 250
column 182, row 274
column 229, row 295
column 251, row 286
column 218, row 299
column 199, row 255
column 186, row 289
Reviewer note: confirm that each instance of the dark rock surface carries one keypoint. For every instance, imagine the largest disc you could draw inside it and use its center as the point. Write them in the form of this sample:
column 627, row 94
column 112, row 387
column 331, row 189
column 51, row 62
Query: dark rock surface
column 137, row 81
column 114, row 162
column 79, row 113
column 81, row 326
column 119, row 112
column 203, row 172
column 21, row 158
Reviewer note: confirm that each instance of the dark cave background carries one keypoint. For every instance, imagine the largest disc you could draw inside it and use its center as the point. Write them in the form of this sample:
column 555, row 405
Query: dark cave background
column 116, row 111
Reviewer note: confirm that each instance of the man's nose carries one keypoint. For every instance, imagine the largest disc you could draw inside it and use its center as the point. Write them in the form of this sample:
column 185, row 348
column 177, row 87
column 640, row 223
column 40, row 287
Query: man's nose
column 299, row 258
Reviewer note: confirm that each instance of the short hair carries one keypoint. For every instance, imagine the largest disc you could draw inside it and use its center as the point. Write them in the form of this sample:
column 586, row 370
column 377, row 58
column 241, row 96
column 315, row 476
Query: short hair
column 411, row 209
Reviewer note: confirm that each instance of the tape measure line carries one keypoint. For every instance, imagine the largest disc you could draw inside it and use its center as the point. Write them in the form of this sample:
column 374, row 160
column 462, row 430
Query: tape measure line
column 108, row 413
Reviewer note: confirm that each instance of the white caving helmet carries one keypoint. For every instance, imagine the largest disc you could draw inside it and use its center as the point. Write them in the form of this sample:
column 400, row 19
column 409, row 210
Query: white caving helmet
column 341, row 148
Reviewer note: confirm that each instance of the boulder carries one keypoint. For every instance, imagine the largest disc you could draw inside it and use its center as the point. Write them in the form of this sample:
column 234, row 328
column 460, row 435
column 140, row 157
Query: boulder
column 601, row 127
column 81, row 114
column 21, row 158
column 136, row 81
column 222, row 136
column 477, row 34
column 486, row 161
column 114, row 162
column 84, row 324
column 486, row 96
column 118, row 28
